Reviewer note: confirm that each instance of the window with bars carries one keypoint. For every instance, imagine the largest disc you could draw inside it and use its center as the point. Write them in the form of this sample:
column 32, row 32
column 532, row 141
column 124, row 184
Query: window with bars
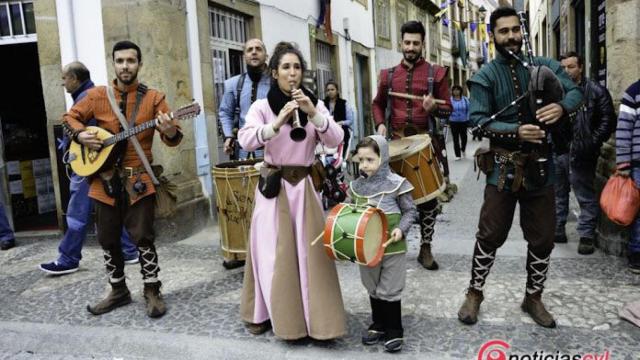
column 383, row 21
column 228, row 33
column 228, row 26
column 16, row 19
column 323, row 66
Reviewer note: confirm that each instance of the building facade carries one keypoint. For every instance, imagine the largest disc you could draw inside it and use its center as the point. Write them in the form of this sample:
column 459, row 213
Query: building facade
column 607, row 34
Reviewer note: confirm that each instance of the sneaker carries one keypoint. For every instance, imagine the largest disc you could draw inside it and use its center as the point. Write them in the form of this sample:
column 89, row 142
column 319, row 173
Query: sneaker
column 464, row 155
column 634, row 262
column 458, row 158
column 132, row 260
column 7, row 244
column 54, row 268
column 586, row 246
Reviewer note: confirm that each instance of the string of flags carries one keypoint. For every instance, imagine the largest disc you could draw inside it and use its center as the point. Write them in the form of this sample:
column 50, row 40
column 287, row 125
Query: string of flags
column 459, row 25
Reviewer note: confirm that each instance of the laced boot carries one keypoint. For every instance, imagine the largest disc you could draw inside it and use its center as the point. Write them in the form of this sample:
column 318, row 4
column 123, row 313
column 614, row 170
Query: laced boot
column 537, row 268
column 427, row 219
column 155, row 305
column 118, row 296
column 375, row 332
column 470, row 308
column 532, row 305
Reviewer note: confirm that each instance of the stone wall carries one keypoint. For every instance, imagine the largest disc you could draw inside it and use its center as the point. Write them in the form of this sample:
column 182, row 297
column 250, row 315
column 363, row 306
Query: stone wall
column 623, row 47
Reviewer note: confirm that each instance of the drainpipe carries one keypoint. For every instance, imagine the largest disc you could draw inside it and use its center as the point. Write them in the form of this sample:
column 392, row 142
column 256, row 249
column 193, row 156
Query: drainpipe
column 200, row 125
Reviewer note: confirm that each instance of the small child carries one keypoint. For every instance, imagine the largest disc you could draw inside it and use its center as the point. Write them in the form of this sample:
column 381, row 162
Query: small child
column 379, row 187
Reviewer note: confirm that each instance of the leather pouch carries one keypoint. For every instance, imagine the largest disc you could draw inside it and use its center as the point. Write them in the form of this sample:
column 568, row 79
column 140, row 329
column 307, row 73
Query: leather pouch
column 270, row 182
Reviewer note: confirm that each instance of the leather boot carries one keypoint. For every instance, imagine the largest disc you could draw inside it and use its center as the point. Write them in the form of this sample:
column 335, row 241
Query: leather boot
column 425, row 258
column 470, row 308
column 394, row 332
column 155, row 305
column 532, row 305
column 375, row 332
column 258, row 329
column 118, row 296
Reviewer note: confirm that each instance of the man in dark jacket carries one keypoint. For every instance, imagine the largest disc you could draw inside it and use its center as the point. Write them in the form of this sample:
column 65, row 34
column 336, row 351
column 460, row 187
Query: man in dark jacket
column 576, row 169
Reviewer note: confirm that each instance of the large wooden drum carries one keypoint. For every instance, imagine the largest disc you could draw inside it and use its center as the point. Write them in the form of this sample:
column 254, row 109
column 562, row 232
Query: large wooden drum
column 414, row 158
column 235, row 185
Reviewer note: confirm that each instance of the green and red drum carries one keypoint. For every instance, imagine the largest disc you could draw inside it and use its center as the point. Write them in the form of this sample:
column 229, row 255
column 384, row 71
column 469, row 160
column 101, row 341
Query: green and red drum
column 356, row 234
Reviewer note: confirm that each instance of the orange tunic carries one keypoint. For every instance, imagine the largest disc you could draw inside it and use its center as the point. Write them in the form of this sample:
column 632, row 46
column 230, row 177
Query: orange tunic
column 96, row 105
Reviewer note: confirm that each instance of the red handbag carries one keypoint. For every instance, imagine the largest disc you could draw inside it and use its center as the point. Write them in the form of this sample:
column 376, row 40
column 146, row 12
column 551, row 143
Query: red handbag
column 620, row 199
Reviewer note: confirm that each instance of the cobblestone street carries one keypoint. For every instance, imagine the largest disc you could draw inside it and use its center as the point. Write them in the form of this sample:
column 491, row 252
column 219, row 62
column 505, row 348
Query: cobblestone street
column 43, row 317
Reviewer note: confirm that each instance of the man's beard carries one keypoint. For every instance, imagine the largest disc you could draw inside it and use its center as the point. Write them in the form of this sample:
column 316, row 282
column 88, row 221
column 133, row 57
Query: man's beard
column 130, row 81
column 502, row 49
column 415, row 55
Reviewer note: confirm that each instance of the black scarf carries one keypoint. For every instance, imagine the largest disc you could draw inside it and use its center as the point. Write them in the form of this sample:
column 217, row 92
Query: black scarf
column 277, row 100
column 339, row 110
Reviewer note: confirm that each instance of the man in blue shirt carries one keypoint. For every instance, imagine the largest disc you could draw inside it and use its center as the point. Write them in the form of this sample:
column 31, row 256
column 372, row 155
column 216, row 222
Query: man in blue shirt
column 76, row 81
column 240, row 92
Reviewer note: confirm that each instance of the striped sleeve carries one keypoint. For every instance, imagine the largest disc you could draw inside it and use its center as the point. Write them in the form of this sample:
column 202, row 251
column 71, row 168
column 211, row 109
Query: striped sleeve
column 628, row 129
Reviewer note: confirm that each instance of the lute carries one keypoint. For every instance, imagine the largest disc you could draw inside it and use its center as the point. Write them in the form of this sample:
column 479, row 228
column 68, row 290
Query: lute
column 86, row 162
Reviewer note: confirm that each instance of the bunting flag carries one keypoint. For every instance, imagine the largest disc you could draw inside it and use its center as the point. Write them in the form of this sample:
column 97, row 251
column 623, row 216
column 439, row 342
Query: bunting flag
column 462, row 46
column 483, row 31
column 445, row 22
column 327, row 21
column 440, row 13
column 456, row 25
column 473, row 26
column 443, row 5
column 323, row 10
column 325, row 18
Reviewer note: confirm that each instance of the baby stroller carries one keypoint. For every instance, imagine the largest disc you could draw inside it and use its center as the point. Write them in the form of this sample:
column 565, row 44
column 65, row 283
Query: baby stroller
column 334, row 188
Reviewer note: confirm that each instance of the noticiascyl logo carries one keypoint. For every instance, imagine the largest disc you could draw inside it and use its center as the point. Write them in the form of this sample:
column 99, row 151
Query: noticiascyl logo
column 493, row 350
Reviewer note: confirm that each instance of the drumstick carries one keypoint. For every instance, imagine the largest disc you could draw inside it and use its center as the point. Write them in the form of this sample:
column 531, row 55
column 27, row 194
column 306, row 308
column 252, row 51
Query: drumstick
column 387, row 243
column 414, row 97
column 317, row 239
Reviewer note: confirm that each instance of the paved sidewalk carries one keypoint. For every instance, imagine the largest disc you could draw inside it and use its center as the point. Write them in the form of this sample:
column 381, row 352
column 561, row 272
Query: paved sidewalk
column 43, row 317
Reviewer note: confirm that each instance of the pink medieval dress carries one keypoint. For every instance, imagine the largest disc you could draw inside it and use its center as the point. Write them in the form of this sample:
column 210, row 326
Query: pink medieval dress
column 286, row 280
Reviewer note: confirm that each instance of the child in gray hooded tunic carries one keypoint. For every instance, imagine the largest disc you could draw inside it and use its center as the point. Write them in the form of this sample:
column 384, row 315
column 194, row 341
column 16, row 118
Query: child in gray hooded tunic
column 378, row 186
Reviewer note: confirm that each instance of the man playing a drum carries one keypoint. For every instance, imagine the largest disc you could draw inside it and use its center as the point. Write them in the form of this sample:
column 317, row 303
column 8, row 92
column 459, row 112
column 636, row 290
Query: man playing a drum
column 240, row 92
column 381, row 188
column 414, row 76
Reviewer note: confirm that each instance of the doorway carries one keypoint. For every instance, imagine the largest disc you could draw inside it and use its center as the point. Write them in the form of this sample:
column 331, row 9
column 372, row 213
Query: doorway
column 25, row 145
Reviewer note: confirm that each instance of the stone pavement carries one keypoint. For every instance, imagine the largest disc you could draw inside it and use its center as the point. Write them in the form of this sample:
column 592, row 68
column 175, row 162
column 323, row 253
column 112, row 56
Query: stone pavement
column 43, row 317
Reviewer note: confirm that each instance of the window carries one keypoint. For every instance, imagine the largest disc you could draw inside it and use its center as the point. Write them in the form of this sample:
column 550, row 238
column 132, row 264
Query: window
column 402, row 17
column 228, row 33
column 434, row 38
column 383, row 22
column 227, row 26
column 323, row 66
column 17, row 20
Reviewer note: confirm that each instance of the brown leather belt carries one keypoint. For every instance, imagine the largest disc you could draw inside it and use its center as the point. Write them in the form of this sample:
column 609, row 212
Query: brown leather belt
column 132, row 171
column 293, row 174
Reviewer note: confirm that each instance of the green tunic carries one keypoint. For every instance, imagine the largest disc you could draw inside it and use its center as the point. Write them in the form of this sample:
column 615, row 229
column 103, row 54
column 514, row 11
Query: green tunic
column 494, row 87
column 393, row 220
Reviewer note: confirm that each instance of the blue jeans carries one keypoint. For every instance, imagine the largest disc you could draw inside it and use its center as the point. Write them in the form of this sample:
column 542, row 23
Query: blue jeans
column 243, row 154
column 634, row 239
column 579, row 177
column 6, row 234
column 78, row 216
